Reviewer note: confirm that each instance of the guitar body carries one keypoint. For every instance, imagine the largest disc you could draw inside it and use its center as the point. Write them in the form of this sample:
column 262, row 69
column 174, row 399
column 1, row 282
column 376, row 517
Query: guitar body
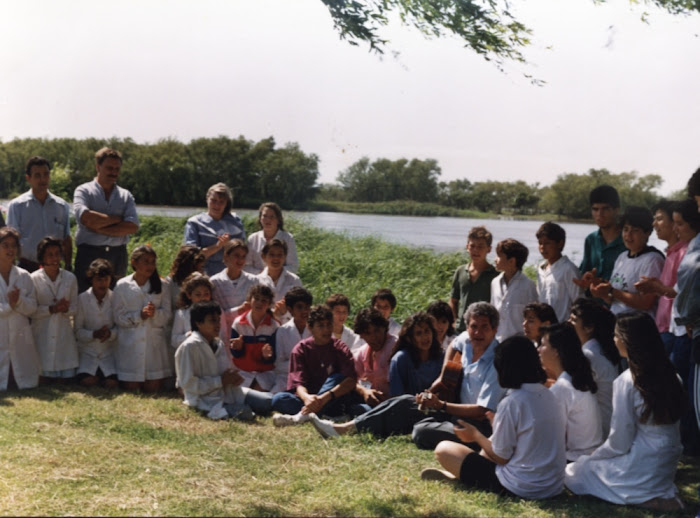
column 448, row 389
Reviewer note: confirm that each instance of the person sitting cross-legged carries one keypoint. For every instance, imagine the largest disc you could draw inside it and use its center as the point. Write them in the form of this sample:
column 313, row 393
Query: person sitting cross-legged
column 322, row 376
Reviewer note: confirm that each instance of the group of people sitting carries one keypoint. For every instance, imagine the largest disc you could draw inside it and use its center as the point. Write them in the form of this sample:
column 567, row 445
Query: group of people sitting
column 579, row 380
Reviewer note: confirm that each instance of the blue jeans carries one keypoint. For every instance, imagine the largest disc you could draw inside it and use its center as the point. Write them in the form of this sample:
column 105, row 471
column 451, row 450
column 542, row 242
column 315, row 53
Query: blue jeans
column 351, row 403
column 259, row 402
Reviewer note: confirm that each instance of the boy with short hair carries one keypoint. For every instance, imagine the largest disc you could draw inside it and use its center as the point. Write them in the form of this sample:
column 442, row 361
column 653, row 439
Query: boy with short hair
column 298, row 301
column 384, row 301
column 511, row 290
column 535, row 316
column 639, row 260
column 340, row 306
column 204, row 370
column 556, row 274
column 472, row 281
column 603, row 246
column 322, row 376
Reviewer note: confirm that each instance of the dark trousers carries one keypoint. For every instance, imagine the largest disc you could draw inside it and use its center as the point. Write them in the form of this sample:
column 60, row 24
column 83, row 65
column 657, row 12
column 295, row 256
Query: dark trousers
column 86, row 254
column 351, row 403
column 441, row 427
column 395, row 416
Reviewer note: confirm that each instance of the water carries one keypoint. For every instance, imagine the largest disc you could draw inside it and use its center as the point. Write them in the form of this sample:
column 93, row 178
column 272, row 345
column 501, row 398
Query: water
column 440, row 234
column 435, row 233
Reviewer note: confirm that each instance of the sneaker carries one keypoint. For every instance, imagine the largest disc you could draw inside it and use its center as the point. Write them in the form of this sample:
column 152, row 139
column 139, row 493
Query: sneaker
column 325, row 428
column 290, row 420
column 437, row 474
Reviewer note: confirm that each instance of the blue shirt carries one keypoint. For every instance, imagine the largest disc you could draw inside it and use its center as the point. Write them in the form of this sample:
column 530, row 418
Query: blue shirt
column 687, row 302
column 203, row 231
column 91, row 196
column 35, row 220
column 480, row 382
column 406, row 378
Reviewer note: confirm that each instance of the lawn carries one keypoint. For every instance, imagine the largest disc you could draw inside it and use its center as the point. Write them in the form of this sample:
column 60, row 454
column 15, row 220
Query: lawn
column 70, row 451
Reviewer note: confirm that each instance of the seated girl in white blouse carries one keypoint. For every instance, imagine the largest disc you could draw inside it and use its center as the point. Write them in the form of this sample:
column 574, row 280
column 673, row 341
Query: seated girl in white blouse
column 637, row 463
column 277, row 277
column 57, row 301
column 95, row 329
column 563, row 360
column 525, row 455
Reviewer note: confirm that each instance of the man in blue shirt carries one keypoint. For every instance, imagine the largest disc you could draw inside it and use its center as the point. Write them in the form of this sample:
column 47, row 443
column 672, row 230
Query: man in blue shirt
column 106, row 217
column 38, row 213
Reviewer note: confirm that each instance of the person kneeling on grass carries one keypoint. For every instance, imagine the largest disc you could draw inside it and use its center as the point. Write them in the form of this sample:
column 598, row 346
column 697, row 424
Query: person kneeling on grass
column 525, row 455
column 204, row 368
column 322, row 376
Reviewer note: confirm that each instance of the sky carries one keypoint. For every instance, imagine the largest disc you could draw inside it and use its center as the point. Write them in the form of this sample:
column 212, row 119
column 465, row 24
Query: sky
column 620, row 94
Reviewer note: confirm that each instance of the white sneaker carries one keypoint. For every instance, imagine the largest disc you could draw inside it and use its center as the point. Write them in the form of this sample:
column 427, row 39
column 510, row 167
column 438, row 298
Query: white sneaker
column 324, row 427
column 290, row 420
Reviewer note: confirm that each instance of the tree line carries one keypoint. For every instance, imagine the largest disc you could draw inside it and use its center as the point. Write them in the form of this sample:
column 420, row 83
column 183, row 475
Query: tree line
column 418, row 180
column 170, row 172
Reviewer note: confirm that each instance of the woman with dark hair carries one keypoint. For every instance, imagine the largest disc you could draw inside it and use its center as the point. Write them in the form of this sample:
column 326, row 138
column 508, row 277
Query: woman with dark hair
column 637, row 463
column 444, row 322
column 563, row 360
column 271, row 224
column 211, row 230
column 525, row 455
column 595, row 327
column 416, row 360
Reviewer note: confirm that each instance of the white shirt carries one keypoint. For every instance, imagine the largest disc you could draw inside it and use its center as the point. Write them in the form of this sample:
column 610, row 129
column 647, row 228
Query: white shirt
column 90, row 317
column 510, row 301
column 629, row 270
column 584, row 432
column 528, row 430
column 286, row 338
column 142, row 352
column 16, row 338
column 349, row 338
column 53, row 333
column 604, row 373
column 394, row 327
column 181, row 327
column 256, row 242
column 638, row 460
column 199, row 369
column 555, row 286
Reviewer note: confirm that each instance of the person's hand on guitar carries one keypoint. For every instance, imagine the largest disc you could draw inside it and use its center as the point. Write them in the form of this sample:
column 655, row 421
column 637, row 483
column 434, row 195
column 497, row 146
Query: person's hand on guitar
column 428, row 400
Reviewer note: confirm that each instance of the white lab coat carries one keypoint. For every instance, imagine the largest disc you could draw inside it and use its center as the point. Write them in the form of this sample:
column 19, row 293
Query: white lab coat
column 142, row 350
column 90, row 317
column 16, row 340
column 53, row 333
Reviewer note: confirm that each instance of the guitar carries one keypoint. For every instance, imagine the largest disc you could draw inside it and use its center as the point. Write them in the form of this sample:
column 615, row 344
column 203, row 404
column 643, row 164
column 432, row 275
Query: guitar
column 448, row 389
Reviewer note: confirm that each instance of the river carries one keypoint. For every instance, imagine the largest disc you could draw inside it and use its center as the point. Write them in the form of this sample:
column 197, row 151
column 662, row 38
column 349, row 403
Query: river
column 435, row 233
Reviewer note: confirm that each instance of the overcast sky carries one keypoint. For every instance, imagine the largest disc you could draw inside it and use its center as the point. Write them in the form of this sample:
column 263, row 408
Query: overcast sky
column 620, row 93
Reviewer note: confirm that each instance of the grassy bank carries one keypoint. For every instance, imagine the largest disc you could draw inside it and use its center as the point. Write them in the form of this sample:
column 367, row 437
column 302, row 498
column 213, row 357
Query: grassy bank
column 69, row 451
column 333, row 263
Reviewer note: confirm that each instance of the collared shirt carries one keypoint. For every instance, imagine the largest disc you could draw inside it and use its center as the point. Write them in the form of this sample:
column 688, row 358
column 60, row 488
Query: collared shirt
column 599, row 255
column 674, row 255
column 311, row 364
column 555, row 286
column 203, row 231
column 480, row 381
column 35, row 220
column 256, row 242
column 510, row 300
column 91, row 196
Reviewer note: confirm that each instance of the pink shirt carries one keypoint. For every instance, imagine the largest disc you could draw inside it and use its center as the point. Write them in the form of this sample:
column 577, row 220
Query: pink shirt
column 674, row 255
column 374, row 366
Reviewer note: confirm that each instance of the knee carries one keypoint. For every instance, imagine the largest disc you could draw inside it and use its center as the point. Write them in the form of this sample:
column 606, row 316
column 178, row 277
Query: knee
column 418, row 436
column 442, row 451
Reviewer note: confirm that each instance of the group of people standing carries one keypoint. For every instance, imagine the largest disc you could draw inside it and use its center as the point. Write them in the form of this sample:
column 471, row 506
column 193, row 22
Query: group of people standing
column 579, row 379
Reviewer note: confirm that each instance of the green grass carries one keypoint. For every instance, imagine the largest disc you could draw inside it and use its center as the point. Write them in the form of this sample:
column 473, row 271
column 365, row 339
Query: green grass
column 68, row 451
